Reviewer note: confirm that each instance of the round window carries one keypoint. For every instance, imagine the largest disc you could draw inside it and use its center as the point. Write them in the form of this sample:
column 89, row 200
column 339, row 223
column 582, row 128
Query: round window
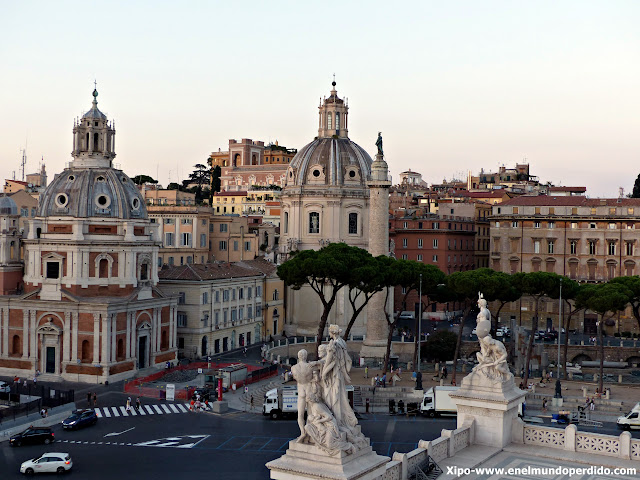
column 316, row 173
column 103, row 201
column 100, row 179
column 72, row 178
column 124, row 180
column 352, row 174
column 135, row 203
column 61, row 200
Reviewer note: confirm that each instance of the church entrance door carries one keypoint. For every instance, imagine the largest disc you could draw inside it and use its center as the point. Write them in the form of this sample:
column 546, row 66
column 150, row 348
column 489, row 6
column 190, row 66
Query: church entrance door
column 50, row 366
column 142, row 352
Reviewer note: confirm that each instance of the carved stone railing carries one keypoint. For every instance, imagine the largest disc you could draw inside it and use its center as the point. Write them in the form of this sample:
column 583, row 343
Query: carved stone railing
column 394, row 471
column 547, row 437
column 571, row 440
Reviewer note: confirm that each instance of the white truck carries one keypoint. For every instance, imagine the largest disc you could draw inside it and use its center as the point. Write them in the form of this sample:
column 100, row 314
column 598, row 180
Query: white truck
column 281, row 402
column 631, row 419
column 436, row 401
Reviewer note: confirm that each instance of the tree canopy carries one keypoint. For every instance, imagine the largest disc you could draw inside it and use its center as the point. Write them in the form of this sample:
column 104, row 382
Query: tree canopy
column 142, row 179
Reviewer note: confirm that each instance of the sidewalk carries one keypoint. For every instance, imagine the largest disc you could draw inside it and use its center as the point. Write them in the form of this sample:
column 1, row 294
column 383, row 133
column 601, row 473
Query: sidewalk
column 56, row 415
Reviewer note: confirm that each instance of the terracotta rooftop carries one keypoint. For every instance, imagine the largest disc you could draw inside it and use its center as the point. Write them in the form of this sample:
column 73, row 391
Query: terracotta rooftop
column 214, row 271
column 572, row 201
column 568, row 189
column 226, row 194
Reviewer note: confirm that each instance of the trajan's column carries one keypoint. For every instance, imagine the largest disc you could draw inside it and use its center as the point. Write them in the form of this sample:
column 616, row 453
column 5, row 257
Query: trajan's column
column 375, row 343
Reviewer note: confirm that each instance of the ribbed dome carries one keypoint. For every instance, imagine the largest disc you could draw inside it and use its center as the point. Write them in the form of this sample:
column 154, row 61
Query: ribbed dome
column 8, row 206
column 92, row 192
column 330, row 161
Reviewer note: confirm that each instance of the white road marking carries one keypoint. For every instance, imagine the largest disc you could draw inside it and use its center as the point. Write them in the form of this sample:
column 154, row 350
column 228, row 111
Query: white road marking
column 157, row 408
column 165, row 408
column 149, row 409
column 124, row 411
column 181, row 407
column 173, row 407
column 115, row 411
column 107, row 412
column 98, row 413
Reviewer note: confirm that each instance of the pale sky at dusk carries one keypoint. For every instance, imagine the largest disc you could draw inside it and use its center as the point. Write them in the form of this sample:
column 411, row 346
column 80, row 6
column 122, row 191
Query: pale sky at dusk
column 453, row 86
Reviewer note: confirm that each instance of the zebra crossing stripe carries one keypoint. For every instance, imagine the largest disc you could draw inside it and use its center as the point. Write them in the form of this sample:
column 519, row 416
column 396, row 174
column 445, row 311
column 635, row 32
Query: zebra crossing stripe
column 181, row 407
column 149, row 409
column 124, row 411
column 165, row 408
column 115, row 411
column 157, row 408
column 141, row 411
column 133, row 412
column 173, row 407
column 98, row 413
column 107, row 413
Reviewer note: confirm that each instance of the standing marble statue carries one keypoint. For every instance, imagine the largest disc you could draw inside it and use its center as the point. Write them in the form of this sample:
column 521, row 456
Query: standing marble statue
column 492, row 358
column 379, row 143
column 331, row 423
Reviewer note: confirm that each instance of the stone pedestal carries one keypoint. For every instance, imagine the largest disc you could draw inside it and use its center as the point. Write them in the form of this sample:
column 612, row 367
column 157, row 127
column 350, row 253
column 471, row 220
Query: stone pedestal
column 556, row 401
column 492, row 404
column 220, row 407
column 304, row 461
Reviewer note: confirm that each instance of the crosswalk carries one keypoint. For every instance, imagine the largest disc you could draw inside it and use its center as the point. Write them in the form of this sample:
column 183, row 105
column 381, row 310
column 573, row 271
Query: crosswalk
column 162, row 409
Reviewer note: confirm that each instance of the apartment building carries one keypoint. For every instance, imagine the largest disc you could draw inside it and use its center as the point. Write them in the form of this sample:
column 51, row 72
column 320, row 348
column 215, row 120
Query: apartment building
column 184, row 231
column 223, row 306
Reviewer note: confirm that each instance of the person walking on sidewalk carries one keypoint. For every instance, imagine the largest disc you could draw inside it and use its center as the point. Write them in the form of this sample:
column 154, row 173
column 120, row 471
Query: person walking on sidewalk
column 544, row 405
column 138, row 404
column 88, row 399
column 95, row 399
column 251, row 402
column 366, row 371
column 128, row 404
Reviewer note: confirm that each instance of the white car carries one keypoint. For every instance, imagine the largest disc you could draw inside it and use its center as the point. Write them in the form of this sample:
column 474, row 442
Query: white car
column 4, row 387
column 52, row 462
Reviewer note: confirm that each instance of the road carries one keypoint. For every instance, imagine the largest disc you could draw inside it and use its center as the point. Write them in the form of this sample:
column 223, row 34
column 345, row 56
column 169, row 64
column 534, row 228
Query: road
column 198, row 445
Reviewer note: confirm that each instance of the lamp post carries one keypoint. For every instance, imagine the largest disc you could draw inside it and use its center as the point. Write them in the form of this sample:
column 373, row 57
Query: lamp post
column 560, row 327
column 420, row 324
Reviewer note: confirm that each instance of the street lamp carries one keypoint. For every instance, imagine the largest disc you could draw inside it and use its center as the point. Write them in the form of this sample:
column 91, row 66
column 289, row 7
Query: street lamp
column 560, row 326
column 420, row 325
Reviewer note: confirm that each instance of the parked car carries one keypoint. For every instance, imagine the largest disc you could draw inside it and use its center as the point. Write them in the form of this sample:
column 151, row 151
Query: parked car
column 4, row 387
column 31, row 436
column 79, row 419
column 52, row 462
column 539, row 335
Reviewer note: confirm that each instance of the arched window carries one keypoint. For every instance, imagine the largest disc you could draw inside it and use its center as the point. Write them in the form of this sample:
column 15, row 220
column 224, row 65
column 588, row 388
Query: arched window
column 15, row 345
column 86, row 351
column 96, row 141
column 120, row 353
column 286, row 222
column 87, row 140
column 103, row 268
column 144, row 271
column 353, row 223
column 314, row 222
column 329, row 121
column 275, row 294
column 337, row 121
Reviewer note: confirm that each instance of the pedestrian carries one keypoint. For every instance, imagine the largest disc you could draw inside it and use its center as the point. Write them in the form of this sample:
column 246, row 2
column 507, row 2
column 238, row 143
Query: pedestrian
column 544, row 405
column 88, row 399
column 35, row 380
column 366, row 371
column 251, row 402
column 95, row 399
column 592, row 405
column 25, row 383
column 384, row 380
column 138, row 404
column 444, row 372
column 128, row 404
column 375, row 380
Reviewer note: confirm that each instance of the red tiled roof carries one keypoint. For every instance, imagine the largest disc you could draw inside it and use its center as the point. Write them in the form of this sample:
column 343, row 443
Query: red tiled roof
column 571, row 201
column 487, row 194
column 568, row 189
column 214, row 271
column 226, row 194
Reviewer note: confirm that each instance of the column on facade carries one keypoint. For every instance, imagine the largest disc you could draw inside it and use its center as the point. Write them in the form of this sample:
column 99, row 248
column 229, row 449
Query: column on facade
column 127, row 347
column 158, row 316
column 174, row 321
column 65, row 336
column 5, row 331
column 96, row 338
column 134, row 333
column 113, row 321
column 106, row 336
column 85, row 266
column 32, row 334
column 172, row 325
column 75, row 350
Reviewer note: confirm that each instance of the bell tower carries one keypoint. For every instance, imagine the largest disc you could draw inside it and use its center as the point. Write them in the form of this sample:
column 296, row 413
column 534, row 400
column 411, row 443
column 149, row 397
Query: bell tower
column 10, row 263
column 93, row 139
column 333, row 116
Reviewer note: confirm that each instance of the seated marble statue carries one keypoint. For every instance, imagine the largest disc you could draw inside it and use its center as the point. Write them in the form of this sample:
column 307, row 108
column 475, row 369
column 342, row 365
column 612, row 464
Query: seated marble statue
column 321, row 426
column 492, row 358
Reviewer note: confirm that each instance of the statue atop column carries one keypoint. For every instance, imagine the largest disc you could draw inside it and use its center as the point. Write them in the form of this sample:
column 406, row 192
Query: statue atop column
column 492, row 358
column 379, row 143
column 331, row 423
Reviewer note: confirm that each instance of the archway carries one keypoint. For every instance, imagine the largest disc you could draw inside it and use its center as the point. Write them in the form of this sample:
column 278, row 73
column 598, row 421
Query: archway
column 143, row 344
column 578, row 359
column 49, row 336
column 635, row 360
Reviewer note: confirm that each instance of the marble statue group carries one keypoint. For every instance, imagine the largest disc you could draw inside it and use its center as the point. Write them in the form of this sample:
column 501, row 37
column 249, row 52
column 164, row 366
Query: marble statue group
column 492, row 358
column 331, row 424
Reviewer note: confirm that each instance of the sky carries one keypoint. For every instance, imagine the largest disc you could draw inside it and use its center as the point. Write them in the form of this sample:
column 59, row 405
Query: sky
column 453, row 86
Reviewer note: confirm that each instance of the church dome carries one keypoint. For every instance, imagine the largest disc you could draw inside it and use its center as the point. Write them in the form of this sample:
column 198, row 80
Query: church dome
column 8, row 206
column 92, row 192
column 330, row 161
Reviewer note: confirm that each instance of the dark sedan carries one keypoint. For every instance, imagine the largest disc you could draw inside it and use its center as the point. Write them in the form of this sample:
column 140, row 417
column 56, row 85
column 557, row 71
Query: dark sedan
column 31, row 436
column 79, row 419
